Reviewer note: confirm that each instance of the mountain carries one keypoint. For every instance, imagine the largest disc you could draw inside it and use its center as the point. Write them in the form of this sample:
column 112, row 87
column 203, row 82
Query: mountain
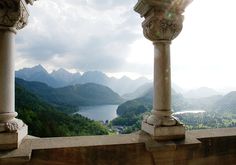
column 214, row 103
column 177, row 88
column 200, row 93
column 44, row 120
column 121, row 86
column 76, row 95
column 61, row 78
column 145, row 103
column 227, row 103
column 37, row 73
column 139, row 92
column 131, row 112
column 94, row 77
column 65, row 77
column 204, row 103
column 126, row 85
column 144, row 88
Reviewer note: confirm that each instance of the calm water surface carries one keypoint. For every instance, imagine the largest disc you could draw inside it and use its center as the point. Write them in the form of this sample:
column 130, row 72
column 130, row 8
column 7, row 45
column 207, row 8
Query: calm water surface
column 99, row 113
column 108, row 112
column 189, row 111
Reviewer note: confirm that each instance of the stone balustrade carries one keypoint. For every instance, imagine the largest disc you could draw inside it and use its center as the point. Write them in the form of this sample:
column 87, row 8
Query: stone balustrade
column 163, row 22
column 201, row 147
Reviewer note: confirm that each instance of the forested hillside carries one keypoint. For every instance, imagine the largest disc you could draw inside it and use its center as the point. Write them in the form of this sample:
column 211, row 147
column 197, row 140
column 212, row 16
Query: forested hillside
column 44, row 120
column 220, row 111
column 76, row 95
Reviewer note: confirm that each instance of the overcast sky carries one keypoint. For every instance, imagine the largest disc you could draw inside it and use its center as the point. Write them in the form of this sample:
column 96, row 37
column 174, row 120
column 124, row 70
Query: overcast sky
column 106, row 35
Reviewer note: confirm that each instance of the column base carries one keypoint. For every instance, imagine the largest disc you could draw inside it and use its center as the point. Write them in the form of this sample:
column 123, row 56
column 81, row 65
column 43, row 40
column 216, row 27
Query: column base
column 164, row 132
column 12, row 140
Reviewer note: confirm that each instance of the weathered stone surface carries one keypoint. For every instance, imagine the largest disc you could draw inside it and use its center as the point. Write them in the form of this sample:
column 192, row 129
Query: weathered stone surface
column 162, row 26
column 174, row 6
column 11, row 126
column 163, row 23
column 12, row 140
column 164, row 132
column 13, row 16
column 13, row 13
column 202, row 147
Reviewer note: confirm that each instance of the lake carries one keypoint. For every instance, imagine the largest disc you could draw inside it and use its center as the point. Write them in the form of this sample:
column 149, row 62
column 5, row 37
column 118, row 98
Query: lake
column 189, row 111
column 108, row 112
column 99, row 113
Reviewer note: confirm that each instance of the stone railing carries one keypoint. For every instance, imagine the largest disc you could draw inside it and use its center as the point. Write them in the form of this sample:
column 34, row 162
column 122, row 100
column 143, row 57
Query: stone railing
column 163, row 22
column 201, row 147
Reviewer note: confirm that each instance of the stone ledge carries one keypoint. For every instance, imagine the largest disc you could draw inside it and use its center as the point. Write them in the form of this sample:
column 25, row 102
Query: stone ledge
column 12, row 140
column 164, row 133
column 214, row 146
column 212, row 133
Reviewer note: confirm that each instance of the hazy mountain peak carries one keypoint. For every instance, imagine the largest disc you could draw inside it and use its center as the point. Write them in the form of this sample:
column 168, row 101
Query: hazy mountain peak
column 37, row 73
column 177, row 88
column 77, row 74
column 125, row 78
column 96, row 73
column 93, row 76
column 201, row 92
column 38, row 68
column 142, row 79
column 139, row 92
column 61, row 71
column 31, row 71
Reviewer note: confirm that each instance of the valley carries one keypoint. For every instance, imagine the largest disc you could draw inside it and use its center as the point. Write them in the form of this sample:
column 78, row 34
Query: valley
column 89, row 99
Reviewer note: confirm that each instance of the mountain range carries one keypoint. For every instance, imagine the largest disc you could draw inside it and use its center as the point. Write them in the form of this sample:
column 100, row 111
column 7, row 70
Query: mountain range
column 200, row 93
column 125, row 87
column 217, row 103
column 61, row 78
column 178, row 102
column 74, row 95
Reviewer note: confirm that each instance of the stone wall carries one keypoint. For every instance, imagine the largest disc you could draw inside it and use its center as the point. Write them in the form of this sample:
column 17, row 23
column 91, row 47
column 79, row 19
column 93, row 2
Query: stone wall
column 210, row 147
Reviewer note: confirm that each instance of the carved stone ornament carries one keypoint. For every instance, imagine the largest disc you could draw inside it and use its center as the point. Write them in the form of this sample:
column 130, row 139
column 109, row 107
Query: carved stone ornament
column 162, row 26
column 176, row 6
column 161, row 121
column 13, row 13
column 30, row 1
column 11, row 126
column 163, row 18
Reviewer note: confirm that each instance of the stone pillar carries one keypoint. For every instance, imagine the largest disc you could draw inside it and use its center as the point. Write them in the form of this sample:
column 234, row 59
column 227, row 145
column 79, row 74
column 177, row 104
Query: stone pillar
column 163, row 22
column 13, row 16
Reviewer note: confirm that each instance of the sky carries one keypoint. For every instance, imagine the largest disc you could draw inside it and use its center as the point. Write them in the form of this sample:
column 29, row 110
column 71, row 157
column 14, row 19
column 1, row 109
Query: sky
column 106, row 35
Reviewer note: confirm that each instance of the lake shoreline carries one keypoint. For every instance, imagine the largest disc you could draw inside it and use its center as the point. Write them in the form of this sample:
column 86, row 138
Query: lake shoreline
column 188, row 111
column 98, row 112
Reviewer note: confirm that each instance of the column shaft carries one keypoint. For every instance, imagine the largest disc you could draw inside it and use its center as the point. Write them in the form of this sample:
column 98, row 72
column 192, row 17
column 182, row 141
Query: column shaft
column 162, row 79
column 7, row 86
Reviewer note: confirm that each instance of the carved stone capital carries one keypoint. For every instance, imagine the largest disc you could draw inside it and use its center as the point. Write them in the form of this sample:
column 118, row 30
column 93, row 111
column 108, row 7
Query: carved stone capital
column 162, row 26
column 163, row 18
column 14, row 14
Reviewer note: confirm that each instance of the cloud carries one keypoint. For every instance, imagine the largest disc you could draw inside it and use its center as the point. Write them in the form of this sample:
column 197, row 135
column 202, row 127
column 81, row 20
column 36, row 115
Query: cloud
column 107, row 35
column 82, row 34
